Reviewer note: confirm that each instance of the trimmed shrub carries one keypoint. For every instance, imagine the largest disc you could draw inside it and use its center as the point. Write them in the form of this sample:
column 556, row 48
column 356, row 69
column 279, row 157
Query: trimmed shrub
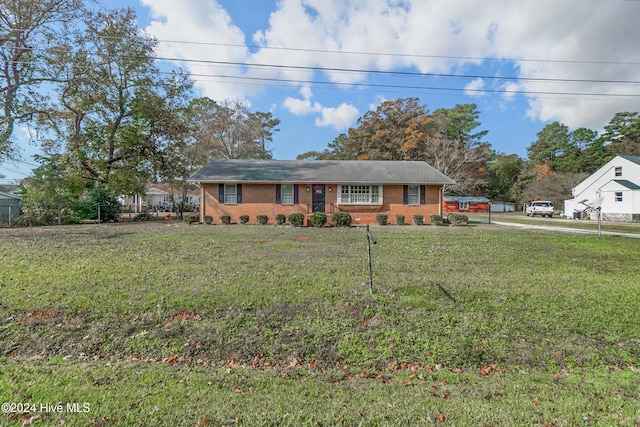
column 225, row 219
column 296, row 219
column 437, row 219
column 399, row 219
column 244, row 219
column 318, row 219
column 262, row 219
column 457, row 219
column 341, row 219
column 208, row 219
column 381, row 219
column 418, row 219
column 281, row 219
column 143, row 216
column 190, row 218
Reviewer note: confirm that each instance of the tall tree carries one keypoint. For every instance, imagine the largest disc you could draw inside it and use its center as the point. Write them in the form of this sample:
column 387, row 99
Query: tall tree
column 504, row 170
column 552, row 141
column 29, row 31
column 237, row 133
column 622, row 135
column 106, row 122
column 396, row 130
column 458, row 150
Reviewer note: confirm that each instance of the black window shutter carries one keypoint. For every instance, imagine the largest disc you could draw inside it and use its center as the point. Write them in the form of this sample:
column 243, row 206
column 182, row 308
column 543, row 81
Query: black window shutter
column 221, row 193
column 295, row 194
column 278, row 193
column 405, row 195
column 423, row 195
column 239, row 193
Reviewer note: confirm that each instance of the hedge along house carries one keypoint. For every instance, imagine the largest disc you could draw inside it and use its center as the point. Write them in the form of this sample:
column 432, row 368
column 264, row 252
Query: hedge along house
column 363, row 188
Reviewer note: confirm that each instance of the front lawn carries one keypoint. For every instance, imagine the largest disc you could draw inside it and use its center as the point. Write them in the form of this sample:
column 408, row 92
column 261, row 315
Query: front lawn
column 163, row 323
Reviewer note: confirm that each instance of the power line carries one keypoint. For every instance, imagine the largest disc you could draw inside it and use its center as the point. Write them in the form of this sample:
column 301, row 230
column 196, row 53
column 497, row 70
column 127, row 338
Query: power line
column 415, row 87
column 401, row 73
column 405, row 55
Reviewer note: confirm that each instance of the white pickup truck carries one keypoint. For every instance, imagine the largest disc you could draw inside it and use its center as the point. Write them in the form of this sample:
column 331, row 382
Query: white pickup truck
column 540, row 207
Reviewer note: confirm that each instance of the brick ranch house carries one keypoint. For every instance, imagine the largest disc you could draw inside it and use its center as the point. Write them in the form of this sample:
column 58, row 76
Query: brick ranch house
column 363, row 188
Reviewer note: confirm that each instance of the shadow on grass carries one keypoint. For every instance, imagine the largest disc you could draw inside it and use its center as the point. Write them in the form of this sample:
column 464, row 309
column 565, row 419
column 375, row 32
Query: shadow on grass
column 444, row 291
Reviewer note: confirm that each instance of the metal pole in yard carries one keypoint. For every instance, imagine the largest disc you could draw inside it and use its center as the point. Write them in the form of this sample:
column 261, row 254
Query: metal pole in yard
column 370, row 238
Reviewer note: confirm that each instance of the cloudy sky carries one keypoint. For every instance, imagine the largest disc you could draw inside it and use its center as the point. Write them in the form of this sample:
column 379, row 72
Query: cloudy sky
column 318, row 65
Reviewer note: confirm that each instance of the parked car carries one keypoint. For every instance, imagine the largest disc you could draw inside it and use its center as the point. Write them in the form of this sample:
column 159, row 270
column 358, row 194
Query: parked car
column 540, row 207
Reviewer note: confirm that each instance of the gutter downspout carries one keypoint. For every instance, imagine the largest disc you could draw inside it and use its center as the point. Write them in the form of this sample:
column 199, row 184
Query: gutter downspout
column 203, row 204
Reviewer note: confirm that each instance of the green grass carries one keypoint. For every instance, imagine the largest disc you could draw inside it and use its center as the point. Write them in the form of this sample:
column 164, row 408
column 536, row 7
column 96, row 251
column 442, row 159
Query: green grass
column 170, row 324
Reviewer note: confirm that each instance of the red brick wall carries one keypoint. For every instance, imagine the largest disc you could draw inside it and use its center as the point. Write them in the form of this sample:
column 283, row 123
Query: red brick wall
column 260, row 199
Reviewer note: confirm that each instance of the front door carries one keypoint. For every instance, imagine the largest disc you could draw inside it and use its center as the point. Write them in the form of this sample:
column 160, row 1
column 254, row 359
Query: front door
column 318, row 198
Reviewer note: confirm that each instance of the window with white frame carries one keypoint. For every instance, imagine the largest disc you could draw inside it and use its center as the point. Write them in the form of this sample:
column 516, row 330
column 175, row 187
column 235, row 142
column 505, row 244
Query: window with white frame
column 286, row 194
column 618, row 196
column 360, row 194
column 618, row 171
column 230, row 194
column 463, row 206
column 413, row 194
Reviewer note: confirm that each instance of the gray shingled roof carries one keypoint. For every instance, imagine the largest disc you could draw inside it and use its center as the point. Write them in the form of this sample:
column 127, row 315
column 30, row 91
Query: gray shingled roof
column 626, row 183
column 320, row 171
column 634, row 159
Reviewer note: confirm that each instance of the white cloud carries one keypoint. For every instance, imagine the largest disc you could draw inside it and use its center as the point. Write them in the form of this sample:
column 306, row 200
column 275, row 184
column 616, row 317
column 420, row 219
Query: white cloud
column 340, row 118
column 304, row 106
column 199, row 24
column 474, row 88
column 571, row 40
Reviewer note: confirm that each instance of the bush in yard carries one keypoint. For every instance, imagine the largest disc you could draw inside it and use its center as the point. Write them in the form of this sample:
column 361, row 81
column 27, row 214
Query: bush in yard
column 399, row 219
column 381, row 219
column 143, row 216
column 418, row 219
column 99, row 203
column 244, row 219
column 318, row 219
column 296, row 219
column 341, row 219
column 225, row 219
column 437, row 220
column 281, row 219
column 457, row 219
column 262, row 219
column 208, row 219
column 190, row 218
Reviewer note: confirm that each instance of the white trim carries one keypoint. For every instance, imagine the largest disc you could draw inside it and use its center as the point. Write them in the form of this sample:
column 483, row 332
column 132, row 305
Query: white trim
column 371, row 194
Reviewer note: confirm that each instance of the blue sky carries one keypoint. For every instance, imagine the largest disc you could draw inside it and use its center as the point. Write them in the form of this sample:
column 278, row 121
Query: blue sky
column 319, row 65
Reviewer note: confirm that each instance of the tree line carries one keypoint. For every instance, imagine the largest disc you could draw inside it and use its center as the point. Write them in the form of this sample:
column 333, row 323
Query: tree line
column 109, row 121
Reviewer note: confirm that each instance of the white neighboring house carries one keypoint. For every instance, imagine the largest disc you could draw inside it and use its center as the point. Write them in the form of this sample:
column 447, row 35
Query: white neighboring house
column 159, row 197
column 615, row 188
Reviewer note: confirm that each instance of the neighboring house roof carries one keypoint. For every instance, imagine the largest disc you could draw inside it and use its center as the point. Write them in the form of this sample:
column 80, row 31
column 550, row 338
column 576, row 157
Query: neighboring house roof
column 628, row 184
column 166, row 189
column 4, row 195
column 634, row 159
column 468, row 199
column 321, row 171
